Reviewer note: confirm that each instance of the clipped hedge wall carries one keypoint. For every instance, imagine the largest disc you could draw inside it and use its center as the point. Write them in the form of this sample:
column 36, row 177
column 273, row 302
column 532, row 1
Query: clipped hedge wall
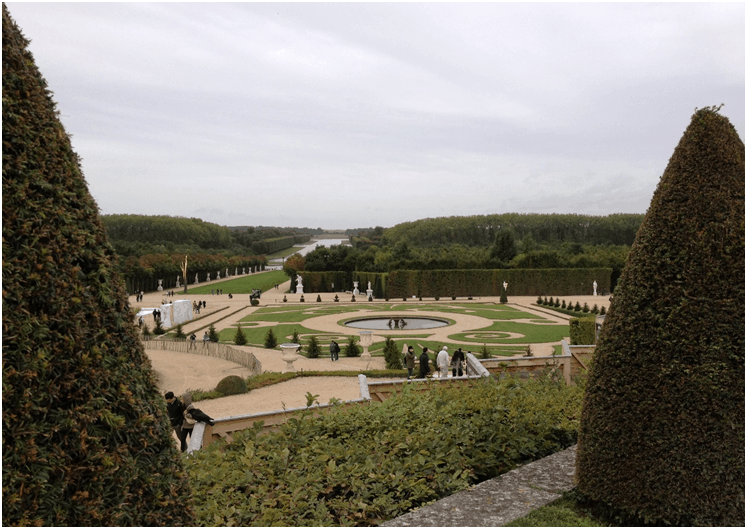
column 365, row 464
column 583, row 330
column 463, row 283
column 86, row 435
column 662, row 429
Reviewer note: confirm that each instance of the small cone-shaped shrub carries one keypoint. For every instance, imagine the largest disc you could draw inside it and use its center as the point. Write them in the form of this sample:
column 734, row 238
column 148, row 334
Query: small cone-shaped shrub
column 270, row 341
column 662, row 426
column 564, row 304
column 577, row 307
column 503, row 296
column 392, row 355
column 86, row 436
column 539, row 300
column 240, row 338
column 145, row 331
column 352, row 349
column 179, row 332
column 314, row 349
column 213, row 334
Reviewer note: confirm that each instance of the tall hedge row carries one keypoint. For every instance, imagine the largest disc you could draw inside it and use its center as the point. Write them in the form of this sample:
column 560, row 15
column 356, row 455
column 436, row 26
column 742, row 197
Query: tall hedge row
column 662, row 428
column 86, row 437
column 462, row 283
column 467, row 282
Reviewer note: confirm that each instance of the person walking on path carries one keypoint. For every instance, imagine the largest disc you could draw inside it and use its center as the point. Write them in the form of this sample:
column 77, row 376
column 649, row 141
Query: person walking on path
column 424, row 363
column 334, row 350
column 443, row 362
column 193, row 341
column 205, row 340
column 409, row 358
column 457, row 362
column 175, row 416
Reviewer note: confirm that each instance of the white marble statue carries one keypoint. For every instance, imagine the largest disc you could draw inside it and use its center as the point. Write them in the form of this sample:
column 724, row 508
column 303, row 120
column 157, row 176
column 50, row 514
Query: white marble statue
column 505, row 286
column 595, row 286
column 196, row 278
column 299, row 285
column 218, row 277
column 178, row 282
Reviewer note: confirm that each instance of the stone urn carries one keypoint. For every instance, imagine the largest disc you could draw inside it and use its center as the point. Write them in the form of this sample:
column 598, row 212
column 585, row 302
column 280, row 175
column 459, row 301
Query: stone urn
column 289, row 355
column 366, row 339
column 160, row 285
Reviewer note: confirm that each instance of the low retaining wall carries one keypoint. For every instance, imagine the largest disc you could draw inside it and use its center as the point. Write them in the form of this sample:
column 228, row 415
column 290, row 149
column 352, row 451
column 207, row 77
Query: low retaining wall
column 573, row 361
column 218, row 350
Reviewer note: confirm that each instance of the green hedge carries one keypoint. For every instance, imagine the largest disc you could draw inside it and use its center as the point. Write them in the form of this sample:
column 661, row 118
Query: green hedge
column 364, row 464
column 464, row 283
column 583, row 330
column 662, row 432
column 86, row 436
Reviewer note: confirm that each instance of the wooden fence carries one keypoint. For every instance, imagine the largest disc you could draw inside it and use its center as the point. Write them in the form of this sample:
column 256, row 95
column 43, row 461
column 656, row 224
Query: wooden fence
column 217, row 350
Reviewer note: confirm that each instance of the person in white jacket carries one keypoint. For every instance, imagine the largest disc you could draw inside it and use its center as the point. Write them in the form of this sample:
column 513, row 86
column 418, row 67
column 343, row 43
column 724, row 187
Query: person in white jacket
column 443, row 362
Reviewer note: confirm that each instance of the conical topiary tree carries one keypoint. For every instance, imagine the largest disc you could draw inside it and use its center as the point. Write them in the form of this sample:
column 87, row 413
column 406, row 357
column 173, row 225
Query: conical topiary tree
column 86, row 435
column 240, row 338
column 662, row 427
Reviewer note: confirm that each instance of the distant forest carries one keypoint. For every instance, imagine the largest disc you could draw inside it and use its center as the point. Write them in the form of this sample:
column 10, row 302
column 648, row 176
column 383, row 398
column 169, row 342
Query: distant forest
column 484, row 242
column 138, row 235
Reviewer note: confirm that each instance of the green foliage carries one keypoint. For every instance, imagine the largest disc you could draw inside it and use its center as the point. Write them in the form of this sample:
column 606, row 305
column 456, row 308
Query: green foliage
column 564, row 304
column 585, row 308
column 594, row 310
column 577, row 307
column 539, row 300
column 374, row 462
column 145, row 330
column 314, row 350
column 662, row 432
column 254, row 302
column 179, row 332
column 230, row 385
column 583, row 331
column 270, row 341
column 603, row 311
column 484, row 352
column 503, row 296
column 351, row 348
column 213, row 334
column 392, row 354
column 240, row 338
column 296, row 336
column 86, row 437
column 158, row 328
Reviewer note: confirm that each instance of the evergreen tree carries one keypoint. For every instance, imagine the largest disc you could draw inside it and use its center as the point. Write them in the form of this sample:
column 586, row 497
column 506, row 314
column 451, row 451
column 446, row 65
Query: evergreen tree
column 213, row 334
column 503, row 295
column 505, row 247
column 240, row 338
column 86, row 435
column 314, row 349
column 352, row 349
column 662, row 426
column 179, row 332
column 392, row 355
column 270, row 341
column 296, row 336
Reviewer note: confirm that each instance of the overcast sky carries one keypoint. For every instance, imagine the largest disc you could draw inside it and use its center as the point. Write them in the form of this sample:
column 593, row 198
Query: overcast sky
column 346, row 115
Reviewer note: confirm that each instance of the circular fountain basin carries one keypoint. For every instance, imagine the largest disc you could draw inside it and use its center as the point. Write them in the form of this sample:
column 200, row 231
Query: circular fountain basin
column 382, row 323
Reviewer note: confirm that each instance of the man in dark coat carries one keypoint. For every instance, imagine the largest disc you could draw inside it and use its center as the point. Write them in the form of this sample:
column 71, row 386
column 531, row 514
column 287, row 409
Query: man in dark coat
column 457, row 362
column 424, row 363
column 176, row 415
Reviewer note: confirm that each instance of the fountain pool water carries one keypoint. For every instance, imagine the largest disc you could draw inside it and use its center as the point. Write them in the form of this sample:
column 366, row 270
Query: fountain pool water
column 395, row 323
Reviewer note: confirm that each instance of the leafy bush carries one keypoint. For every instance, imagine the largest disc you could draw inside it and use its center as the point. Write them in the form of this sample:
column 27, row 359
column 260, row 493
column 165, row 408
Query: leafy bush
column 564, row 304
column 270, row 341
column 179, row 332
column 577, row 307
column 314, row 350
column 392, row 355
column 318, row 298
column 213, row 334
column 255, row 302
column 158, row 328
column 484, row 353
column 230, row 385
column 583, row 331
column 594, row 310
column 86, row 437
column 585, row 308
column 240, row 338
column 503, row 296
column 663, row 418
column 557, row 302
column 145, row 331
column 539, row 300
column 603, row 311
column 352, row 349
column 375, row 462
column 295, row 337
column 551, row 301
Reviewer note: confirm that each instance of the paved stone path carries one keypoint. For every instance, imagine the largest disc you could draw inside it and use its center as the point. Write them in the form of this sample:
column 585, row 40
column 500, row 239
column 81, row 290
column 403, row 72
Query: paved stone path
column 500, row 500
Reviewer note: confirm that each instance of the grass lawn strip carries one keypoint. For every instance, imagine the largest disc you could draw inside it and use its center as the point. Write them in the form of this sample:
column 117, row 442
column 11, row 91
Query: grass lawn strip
column 243, row 284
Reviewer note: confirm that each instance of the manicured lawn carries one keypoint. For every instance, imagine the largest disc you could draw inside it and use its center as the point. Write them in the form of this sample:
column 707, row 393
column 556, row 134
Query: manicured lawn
column 284, row 253
column 563, row 512
column 242, row 284
column 532, row 333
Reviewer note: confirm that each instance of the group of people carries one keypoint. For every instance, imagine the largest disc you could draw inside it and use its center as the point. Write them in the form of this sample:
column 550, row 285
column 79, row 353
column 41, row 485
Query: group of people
column 443, row 362
column 219, row 292
column 197, row 306
column 138, row 296
column 193, row 340
column 156, row 315
column 183, row 416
